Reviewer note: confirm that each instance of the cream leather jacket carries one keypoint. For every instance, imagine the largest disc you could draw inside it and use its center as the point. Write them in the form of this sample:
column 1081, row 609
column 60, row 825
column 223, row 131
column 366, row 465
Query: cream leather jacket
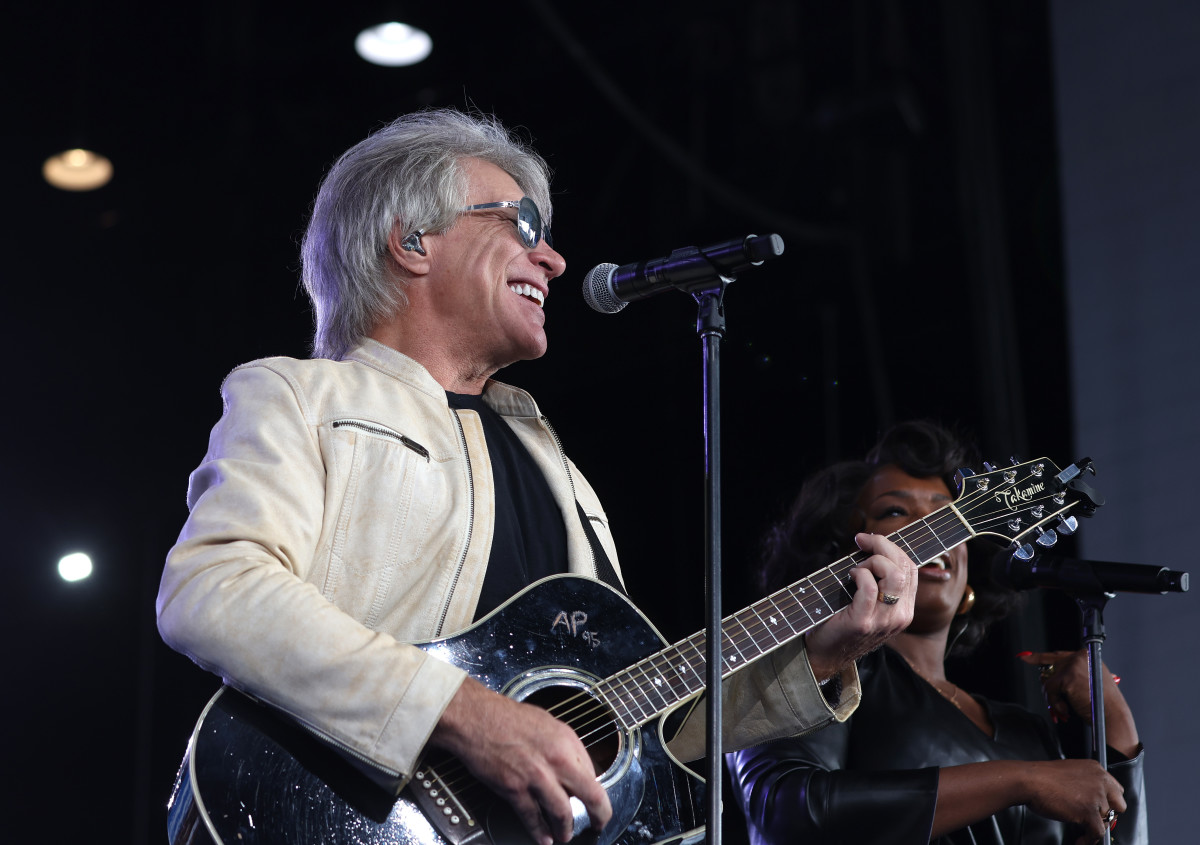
column 342, row 510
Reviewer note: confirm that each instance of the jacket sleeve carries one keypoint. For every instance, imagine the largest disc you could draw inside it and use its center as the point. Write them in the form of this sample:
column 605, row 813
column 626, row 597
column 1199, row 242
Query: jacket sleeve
column 1132, row 826
column 776, row 696
column 234, row 594
column 796, row 791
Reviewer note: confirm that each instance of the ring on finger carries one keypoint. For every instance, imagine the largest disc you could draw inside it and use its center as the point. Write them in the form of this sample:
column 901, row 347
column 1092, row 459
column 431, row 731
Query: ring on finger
column 1046, row 670
column 888, row 598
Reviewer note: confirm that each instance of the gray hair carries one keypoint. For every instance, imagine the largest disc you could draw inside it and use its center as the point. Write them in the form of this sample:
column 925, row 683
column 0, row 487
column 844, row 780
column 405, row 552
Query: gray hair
column 408, row 173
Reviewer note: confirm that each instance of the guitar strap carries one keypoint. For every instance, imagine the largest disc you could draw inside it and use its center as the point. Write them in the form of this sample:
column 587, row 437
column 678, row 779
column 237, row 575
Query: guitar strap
column 604, row 568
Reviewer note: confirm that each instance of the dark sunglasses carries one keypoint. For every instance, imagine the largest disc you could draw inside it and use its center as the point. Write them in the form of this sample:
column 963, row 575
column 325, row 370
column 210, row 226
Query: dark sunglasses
column 529, row 220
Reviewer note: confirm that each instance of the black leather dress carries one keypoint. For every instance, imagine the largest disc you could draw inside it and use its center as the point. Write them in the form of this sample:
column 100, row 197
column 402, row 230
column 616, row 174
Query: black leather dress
column 874, row 778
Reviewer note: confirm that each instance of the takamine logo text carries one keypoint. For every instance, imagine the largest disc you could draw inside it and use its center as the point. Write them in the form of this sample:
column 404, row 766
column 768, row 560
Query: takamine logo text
column 1013, row 498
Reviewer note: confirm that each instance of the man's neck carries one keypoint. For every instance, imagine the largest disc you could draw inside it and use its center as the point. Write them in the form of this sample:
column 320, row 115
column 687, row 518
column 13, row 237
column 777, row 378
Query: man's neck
column 452, row 371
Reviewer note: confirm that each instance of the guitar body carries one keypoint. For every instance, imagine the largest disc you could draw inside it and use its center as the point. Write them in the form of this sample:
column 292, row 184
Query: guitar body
column 252, row 777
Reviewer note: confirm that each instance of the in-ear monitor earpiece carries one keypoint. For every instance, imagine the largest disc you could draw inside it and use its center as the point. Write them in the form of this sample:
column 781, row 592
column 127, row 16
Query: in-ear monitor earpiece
column 412, row 242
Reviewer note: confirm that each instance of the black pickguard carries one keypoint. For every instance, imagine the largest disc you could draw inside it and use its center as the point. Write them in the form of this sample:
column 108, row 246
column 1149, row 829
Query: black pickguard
column 252, row 777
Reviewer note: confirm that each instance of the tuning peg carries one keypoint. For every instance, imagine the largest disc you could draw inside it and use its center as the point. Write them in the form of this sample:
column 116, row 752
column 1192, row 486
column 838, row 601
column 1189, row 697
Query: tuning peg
column 1015, row 459
column 961, row 476
column 1025, row 552
column 1068, row 525
column 1046, row 538
column 988, row 466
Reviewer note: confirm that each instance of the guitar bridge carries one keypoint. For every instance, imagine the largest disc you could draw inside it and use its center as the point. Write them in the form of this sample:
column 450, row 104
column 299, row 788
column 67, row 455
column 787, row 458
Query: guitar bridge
column 442, row 806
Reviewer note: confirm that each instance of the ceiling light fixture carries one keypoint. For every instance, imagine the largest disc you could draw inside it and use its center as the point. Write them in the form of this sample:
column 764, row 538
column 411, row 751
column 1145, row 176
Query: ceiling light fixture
column 77, row 170
column 75, row 567
column 393, row 44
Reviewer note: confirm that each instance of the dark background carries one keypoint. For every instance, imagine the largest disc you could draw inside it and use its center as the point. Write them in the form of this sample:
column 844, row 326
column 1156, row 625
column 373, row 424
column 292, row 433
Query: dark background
column 905, row 151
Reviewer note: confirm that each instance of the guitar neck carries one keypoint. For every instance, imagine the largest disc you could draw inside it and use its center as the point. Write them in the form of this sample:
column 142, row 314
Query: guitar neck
column 671, row 676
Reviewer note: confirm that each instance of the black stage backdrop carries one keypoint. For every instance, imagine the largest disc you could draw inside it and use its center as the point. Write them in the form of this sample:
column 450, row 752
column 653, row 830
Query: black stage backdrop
column 905, row 151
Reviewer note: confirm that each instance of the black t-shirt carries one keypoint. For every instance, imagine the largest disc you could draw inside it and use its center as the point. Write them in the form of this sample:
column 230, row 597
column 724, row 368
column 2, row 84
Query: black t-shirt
column 529, row 541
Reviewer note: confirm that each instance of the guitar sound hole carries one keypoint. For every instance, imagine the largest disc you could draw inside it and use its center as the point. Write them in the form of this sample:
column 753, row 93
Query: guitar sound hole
column 589, row 717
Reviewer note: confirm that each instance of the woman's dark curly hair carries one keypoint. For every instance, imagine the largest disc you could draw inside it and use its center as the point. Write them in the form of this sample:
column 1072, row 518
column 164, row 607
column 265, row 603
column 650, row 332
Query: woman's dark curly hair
column 821, row 523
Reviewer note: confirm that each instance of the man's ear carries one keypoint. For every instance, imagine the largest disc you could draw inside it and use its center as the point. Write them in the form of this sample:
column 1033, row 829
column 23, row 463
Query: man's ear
column 409, row 250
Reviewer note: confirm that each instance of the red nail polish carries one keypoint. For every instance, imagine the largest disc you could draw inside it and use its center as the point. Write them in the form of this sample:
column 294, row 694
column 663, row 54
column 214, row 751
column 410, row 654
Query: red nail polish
column 1024, row 653
column 1116, row 679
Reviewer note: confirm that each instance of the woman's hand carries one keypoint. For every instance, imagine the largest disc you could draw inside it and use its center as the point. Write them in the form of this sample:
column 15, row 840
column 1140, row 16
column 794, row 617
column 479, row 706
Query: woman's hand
column 1068, row 691
column 1076, row 792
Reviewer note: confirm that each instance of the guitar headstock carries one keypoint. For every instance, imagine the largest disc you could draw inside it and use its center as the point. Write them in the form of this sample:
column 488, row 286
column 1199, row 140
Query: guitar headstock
column 1017, row 502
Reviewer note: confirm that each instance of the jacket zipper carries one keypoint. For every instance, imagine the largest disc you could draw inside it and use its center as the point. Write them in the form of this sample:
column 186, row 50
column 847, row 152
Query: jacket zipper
column 462, row 560
column 384, row 432
column 562, row 456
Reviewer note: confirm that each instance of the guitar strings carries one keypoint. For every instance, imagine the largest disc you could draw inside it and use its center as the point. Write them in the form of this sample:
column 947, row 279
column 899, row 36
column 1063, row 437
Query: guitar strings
column 754, row 627
column 596, row 717
column 837, row 571
column 592, row 717
column 752, row 624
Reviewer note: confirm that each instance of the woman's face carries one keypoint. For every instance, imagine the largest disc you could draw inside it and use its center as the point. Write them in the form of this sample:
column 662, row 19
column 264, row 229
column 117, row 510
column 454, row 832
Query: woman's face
column 890, row 500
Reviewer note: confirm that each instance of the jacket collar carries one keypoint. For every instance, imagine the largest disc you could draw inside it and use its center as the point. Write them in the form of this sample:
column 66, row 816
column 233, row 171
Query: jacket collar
column 503, row 398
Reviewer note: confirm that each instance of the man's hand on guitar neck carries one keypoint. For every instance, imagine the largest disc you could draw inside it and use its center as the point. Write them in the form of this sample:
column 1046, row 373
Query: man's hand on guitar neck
column 526, row 756
column 869, row 621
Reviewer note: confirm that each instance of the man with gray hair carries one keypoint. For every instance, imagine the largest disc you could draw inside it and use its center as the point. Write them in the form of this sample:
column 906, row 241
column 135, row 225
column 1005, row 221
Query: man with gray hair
column 388, row 491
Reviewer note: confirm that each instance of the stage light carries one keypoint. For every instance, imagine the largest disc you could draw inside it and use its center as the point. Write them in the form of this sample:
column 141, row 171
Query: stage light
column 77, row 170
column 75, row 567
column 393, row 44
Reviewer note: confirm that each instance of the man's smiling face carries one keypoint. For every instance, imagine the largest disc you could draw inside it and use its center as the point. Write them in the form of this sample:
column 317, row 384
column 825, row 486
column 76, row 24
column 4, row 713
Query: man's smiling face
column 487, row 288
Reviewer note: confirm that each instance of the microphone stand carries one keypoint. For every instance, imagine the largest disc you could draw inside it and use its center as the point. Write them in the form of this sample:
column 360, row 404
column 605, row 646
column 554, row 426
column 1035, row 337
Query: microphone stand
column 1091, row 584
column 1091, row 608
column 710, row 325
column 704, row 273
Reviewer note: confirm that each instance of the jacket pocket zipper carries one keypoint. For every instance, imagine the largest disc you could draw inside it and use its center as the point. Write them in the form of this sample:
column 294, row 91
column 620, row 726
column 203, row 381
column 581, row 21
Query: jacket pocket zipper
column 383, row 431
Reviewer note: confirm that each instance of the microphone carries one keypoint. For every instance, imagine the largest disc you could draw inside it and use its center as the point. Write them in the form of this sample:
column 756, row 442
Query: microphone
column 609, row 288
column 1090, row 576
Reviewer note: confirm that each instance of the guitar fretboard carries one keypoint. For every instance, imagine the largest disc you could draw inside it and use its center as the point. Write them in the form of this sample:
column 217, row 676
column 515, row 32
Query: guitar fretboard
column 677, row 673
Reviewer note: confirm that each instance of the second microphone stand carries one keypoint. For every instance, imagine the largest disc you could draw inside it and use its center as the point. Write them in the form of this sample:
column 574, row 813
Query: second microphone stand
column 1091, row 608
